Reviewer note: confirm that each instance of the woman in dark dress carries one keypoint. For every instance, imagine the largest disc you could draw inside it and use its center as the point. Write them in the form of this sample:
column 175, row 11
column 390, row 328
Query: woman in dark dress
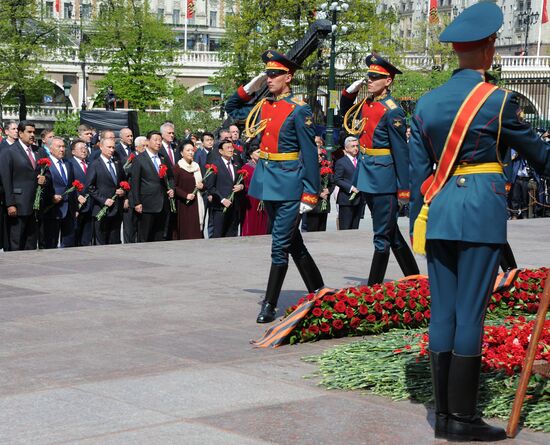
column 190, row 206
column 255, row 220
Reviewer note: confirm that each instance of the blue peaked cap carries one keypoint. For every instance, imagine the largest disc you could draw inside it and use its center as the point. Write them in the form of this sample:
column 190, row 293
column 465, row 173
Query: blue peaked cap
column 475, row 23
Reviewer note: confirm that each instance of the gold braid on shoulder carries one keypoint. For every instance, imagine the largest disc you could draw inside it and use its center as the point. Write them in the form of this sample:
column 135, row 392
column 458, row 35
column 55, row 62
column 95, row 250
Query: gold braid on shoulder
column 252, row 126
column 356, row 125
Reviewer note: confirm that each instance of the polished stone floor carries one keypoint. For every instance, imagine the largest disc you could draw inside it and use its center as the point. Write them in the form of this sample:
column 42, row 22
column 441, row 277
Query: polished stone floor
column 149, row 344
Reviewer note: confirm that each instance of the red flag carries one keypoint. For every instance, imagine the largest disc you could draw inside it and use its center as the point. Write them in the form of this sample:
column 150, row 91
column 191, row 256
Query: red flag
column 190, row 9
column 544, row 12
column 57, row 5
column 433, row 18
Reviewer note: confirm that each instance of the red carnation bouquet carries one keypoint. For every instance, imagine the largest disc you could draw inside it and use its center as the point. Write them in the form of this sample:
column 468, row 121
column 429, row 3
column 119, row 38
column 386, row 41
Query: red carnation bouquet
column 210, row 169
column 242, row 175
column 326, row 171
column 44, row 164
column 124, row 185
column 128, row 162
column 163, row 174
column 76, row 185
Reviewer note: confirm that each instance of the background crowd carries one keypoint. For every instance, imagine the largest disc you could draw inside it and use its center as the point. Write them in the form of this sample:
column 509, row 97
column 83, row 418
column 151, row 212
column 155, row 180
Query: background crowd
column 102, row 189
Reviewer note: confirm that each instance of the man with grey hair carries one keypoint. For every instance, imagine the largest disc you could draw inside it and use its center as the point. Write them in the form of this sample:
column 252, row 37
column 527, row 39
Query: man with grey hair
column 141, row 144
column 168, row 133
column 350, row 200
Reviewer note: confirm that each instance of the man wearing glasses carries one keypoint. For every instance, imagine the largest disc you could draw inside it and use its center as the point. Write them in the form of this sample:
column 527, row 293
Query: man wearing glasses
column 382, row 173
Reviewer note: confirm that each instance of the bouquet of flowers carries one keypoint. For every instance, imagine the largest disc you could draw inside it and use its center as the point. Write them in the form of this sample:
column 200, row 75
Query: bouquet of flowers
column 128, row 162
column 101, row 214
column 210, row 169
column 242, row 175
column 326, row 171
column 44, row 164
column 163, row 174
column 76, row 185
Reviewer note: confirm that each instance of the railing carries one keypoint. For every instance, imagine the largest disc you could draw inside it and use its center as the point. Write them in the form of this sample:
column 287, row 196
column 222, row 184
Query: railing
column 524, row 62
column 34, row 112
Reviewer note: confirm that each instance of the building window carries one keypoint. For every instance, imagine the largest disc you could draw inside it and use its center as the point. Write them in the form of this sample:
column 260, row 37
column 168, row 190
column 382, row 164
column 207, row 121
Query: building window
column 48, row 9
column 213, row 19
column 160, row 14
column 176, row 17
column 67, row 10
column 86, row 11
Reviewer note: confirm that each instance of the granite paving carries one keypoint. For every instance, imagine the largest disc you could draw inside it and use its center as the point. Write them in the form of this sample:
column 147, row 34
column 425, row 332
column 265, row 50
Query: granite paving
column 150, row 344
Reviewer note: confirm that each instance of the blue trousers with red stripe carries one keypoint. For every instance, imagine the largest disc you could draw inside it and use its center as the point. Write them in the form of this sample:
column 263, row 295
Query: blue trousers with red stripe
column 462, row 276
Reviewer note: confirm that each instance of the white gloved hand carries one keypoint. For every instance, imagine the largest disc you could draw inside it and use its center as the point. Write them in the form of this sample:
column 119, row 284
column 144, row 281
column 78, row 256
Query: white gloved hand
column 255, row 84
column 355, row 86
column 304, row 208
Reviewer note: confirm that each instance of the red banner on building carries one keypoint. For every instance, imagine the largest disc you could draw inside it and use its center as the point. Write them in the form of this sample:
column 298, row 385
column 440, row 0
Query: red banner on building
column 190, row 9
column 433, row 12
column 57, row 5
column 544, row 12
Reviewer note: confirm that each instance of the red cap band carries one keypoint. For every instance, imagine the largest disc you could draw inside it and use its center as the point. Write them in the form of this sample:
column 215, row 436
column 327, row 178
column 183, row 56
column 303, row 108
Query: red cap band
column 378, row 69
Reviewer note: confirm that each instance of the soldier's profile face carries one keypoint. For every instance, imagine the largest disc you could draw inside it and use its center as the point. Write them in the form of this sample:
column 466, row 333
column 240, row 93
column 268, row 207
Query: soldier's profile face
column 377, row 85
column 276, row 83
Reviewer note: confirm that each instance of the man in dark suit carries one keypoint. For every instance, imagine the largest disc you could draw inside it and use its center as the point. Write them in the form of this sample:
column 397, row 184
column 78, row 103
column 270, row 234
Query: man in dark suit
column 168, row 150
column 20, row 177
column 220, row 187
column 149, row 194
column 84, row 221
column 96, row 152
column 125, row 148
column 58, row 217
column 202, row 153
column 349, row 211
column 104, row 177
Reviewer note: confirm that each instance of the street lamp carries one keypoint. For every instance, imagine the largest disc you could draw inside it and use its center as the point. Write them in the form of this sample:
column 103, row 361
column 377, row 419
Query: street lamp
column 332, row 10
column 67, row 92
column 527, row 18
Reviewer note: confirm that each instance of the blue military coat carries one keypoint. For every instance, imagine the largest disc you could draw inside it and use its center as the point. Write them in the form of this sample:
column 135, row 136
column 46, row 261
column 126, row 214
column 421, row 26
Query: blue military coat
column 384, row 128
column 472, row 207
column 289, row 129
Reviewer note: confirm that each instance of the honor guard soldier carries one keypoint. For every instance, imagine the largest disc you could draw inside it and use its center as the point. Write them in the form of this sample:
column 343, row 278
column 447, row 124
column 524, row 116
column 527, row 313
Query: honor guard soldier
column 464, row 127
column 383, row 169
column 286, row 177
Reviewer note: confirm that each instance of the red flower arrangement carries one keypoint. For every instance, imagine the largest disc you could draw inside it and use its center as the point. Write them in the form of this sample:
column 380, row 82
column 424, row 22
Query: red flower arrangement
column 163, row 174
column 242, row 175
column 325, row 172
column 76, row 185
column 124, row 185
column 210, row 169
column 44, row 163
column 128, row 162
column 400, row 304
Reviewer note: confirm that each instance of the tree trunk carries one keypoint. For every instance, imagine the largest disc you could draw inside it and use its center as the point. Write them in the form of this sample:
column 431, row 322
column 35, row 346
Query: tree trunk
column 22, row 106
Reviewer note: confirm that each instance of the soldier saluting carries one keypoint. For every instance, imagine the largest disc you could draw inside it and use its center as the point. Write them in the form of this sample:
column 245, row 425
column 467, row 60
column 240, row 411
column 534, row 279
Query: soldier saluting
column 382, row 173
column 459, row 212
column 286, row 177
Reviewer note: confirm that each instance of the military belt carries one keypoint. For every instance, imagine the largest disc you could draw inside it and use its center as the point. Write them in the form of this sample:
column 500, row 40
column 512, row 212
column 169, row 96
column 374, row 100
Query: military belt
column 375, row 151
column 292, row 156
column 474, row 169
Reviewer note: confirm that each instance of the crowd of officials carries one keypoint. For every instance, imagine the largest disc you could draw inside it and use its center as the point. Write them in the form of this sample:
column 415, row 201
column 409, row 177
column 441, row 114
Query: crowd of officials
column 170, row 190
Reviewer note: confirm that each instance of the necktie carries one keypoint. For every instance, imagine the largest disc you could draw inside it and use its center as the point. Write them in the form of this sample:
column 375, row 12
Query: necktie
column 31, row 157
column 62, row 171
column 355, row 162
column 156, row 162
column 112, row 171
column 230, row 170
column 170, row 154
column 84, row 167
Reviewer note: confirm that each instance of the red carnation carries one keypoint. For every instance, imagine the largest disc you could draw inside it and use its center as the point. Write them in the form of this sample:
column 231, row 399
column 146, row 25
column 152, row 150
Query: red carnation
column 424, row 291
column 371, row 318
column 242, row 172
column 340, row 307
column 401, row 294
column 407, row 317
column 355, row 322
column 327, row 314
column 325, row 171
column 418, row 316
column 324, row 327
column 412, row 304
column 124, row 185
column 337, row 324
column 163, row 170
column 314, row 329
column 413, row 293
column 388, row 306
column 318, row 303
column 78, row 185
column 353, row 302
column 400, row 303
column 317, row 312
column 131, row 157
column 212, row 167
column 391, row 294
column 44, row 162
column 378, row 308
column 369, row 299
column 363, row 310
column 350, row 312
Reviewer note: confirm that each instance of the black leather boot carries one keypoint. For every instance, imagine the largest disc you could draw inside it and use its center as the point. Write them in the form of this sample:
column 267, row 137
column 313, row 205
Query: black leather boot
column 378, row 267
column 406, row 261
column 507, row 260
column 440, row 363
column 309, row 273
column 463, row 422
column 274, row 283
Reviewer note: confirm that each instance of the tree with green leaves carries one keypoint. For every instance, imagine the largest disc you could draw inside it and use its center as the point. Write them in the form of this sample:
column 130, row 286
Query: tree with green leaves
column 137, row 46
column 26, row 41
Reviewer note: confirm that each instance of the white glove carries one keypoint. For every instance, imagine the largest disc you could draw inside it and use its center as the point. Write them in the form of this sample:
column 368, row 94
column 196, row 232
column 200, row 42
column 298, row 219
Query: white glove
column 255, row 84
column 355, row 86
column 304, row 208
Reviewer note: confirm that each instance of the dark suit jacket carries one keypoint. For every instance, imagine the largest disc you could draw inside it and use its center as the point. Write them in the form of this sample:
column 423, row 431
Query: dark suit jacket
column 101, row 187
column 343, row 178
column 176, row 153
column 121, row 153
column 147, row 188
column 221, row 185
column 18, row 178
column 200, row 158
column 56, row 186
column 82, row 177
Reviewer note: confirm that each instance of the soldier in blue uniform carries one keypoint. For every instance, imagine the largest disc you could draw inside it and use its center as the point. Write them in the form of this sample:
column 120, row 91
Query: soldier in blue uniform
column 466, row 227
column 383, row 169
column 286, row 177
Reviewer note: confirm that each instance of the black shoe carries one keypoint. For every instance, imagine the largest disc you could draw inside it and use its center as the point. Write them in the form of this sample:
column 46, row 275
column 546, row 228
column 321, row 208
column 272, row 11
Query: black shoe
column 463, row 423
column 267, row 314
column 277, row 275
column 378, row 267
column 439, row 365
column 405, row 259
column 507, row 260
column 309, row 273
